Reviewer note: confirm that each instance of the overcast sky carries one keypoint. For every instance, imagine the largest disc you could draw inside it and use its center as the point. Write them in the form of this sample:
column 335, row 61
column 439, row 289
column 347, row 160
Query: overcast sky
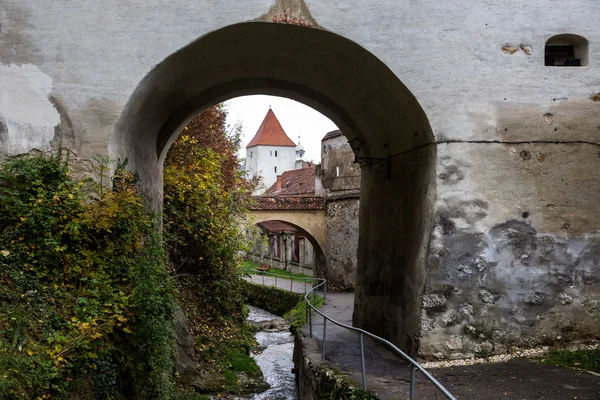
column 295, row 118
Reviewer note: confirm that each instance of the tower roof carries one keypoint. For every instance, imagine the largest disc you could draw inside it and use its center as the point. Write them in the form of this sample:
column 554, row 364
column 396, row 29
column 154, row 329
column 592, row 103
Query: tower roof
column 270, row 133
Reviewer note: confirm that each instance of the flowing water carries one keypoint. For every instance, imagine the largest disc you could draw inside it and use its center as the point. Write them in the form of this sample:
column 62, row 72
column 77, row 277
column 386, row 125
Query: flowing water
column 275, row 360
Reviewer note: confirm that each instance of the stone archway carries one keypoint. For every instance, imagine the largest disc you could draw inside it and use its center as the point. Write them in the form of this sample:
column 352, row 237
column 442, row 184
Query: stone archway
column 377, row 113
column 310, row 223
column 309, row 226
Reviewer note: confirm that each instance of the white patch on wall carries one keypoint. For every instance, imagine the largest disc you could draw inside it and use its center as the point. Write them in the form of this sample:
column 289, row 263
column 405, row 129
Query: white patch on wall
column 25, row 110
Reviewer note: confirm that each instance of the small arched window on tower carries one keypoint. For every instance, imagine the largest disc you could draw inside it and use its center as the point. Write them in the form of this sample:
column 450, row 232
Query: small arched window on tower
column 566, row 50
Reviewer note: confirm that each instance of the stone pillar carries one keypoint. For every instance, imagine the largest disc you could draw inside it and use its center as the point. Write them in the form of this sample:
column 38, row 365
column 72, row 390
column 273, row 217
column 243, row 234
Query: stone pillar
column 395, row 229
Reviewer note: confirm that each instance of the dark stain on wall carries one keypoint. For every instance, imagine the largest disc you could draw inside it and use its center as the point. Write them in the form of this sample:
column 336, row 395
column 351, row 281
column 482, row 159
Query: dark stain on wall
column 3, row 131
column 452, row 171
column 64, row 133
column 509, row 286
column 470, row 211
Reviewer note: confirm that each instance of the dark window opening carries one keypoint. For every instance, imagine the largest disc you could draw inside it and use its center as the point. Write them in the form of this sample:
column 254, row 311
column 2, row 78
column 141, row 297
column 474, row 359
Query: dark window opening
column 561, row 56
column 566, row 51
column 275, row 169
column 275, row 153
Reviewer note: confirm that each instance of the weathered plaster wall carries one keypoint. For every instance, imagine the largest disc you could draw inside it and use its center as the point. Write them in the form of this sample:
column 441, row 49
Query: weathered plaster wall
column 28, row 118
column 340, row 179
column 515, row 256
column 98, row 77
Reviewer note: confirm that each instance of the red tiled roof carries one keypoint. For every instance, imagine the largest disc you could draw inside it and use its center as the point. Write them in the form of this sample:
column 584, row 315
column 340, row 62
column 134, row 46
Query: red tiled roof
column 287, row 203
column 271, row 133
column 294, row 182
column 277, row 226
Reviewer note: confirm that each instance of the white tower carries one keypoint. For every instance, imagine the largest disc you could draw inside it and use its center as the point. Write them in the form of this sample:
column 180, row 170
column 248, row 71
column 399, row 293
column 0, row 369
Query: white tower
column 269, row 153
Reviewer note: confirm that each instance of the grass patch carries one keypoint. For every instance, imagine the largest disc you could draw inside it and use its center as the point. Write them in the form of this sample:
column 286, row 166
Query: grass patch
column 238, row 360
column 238, row 363
column 297, row 315
column 253, row 265
column 580, row 359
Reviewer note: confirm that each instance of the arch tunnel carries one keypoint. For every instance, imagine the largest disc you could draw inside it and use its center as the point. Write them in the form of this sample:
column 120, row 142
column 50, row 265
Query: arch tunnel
column 379, row 116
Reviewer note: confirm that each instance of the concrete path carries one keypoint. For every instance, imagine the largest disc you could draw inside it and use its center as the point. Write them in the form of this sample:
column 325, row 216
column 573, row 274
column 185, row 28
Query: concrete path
column 389, row 377
column 295, row 286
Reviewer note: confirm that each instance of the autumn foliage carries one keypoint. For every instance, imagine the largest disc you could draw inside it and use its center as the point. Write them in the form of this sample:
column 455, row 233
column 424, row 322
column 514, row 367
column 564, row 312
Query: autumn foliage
column 205, row 196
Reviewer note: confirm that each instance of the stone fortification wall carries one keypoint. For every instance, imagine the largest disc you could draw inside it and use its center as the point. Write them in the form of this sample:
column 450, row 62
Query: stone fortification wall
column 515, row 255
column 484, row 233
column 340, row 182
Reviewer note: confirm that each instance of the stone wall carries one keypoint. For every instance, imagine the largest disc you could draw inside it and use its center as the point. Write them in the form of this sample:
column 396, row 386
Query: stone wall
column 515, row 255
column 316, row 378
column 340, row 181
column 491, row 209
column 342, row 243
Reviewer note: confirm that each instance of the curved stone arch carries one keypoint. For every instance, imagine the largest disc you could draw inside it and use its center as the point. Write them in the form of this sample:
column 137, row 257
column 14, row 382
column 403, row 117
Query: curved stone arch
column 377, row 113
column 310, row 224
column 321, row 69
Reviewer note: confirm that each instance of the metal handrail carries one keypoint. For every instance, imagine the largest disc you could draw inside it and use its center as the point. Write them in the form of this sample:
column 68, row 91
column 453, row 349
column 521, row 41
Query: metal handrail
column 305, row 280
column 413, row 365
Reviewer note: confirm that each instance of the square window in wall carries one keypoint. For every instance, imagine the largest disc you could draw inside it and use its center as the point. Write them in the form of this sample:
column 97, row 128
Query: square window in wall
column 275, row 169
column 275, row 153
column 270, row 153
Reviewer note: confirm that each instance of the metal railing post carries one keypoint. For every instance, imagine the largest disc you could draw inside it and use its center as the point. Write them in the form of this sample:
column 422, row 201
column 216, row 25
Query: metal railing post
column 413, row 370
column 325, row 291
column 324, row 338
column 309, row 318
column 306, row 316
column 362, row 362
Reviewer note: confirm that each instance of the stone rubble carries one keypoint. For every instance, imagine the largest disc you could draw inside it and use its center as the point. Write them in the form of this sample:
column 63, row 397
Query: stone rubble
column 521, row 353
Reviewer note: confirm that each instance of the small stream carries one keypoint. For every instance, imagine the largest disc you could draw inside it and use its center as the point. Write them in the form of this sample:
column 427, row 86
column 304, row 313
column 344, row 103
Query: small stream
column 275, row 360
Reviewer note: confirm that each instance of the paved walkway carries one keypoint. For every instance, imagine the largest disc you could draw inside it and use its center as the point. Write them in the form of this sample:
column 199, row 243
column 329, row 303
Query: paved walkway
column 389, row 377
column 282, row 283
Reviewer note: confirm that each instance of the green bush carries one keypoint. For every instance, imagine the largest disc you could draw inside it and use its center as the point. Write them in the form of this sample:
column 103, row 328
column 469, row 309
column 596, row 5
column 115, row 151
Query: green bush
column 297, row 315
column 271, row 299
column 86, row 304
